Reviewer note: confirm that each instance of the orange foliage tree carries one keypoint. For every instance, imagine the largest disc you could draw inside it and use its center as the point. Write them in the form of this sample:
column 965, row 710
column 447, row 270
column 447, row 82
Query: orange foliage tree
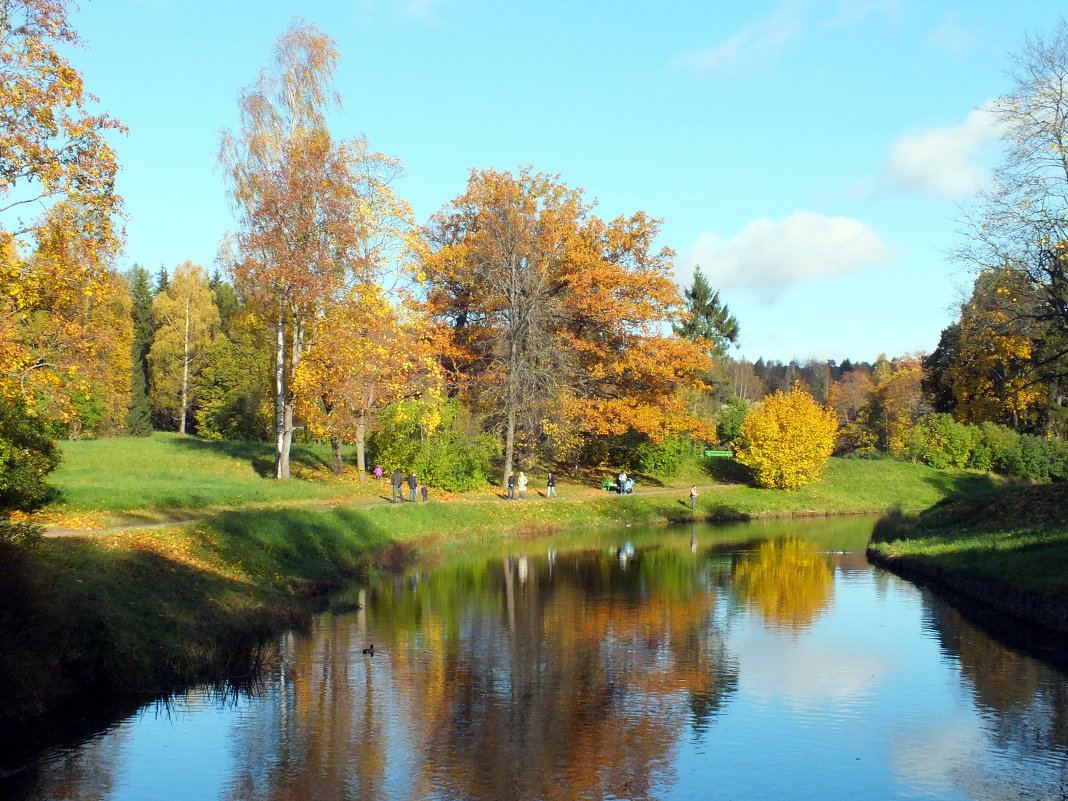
column 543, row 311
column 787, row 439
column 60, row 308
column 365, row 355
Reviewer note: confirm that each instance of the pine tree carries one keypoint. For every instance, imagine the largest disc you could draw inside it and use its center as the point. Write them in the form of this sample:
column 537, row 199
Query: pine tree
column 139, row 418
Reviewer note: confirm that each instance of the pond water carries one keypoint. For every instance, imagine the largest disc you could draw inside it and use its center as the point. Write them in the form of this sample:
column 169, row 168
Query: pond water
column 757, row 661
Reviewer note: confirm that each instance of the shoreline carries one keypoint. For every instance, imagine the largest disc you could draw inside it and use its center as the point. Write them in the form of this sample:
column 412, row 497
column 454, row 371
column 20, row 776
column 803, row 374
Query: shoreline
column 1032, row 608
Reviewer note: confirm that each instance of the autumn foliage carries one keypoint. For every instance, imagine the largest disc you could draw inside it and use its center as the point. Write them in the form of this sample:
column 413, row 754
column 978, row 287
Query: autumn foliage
column 64, row 318
column 788, row 439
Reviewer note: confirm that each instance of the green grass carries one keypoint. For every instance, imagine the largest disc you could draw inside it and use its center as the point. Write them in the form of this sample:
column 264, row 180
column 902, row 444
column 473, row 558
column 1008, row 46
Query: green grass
column 171, row 472
column 1016, row 536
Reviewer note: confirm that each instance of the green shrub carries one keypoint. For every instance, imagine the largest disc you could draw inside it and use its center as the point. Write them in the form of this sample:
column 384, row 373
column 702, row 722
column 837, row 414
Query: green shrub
column 731, row 417
column 432, row 440
column 940, row 441
column 664, row 458
column 27, row 456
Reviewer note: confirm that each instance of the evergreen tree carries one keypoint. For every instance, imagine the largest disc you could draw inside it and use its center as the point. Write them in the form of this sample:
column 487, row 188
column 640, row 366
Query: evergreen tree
column 163, row 281
column 709, row 318
column 139, row 418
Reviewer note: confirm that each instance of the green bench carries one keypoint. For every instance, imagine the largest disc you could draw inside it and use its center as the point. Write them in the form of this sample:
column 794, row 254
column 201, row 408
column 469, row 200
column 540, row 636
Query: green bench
column 718, row 453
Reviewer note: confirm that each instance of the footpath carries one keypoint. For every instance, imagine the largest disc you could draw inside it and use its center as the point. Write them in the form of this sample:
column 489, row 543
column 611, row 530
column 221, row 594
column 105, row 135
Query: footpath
column 146, row 523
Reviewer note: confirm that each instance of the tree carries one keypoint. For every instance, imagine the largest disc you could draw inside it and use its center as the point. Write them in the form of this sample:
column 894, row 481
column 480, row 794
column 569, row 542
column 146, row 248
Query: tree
column 991, row 374
column 58, row 212
column 707, row 318
column 1020, row 223
column 139, row 418
column 787, row 439
column 27, row 456
column 544, row 312
column 187, row 323
column 292, row 190
column 365, row 356
column 496, row 270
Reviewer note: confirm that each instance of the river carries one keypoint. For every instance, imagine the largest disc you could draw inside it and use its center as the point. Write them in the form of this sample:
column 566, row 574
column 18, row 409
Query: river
column 752, row 661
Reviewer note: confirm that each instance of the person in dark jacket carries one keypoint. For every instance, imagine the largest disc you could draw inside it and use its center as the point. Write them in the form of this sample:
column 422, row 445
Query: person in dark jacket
column 398, row 481
column 413, row 485
column 511, row 486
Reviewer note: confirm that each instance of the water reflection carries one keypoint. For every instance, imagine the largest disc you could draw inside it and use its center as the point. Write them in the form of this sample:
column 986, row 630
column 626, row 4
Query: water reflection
column 788, row 581
column 692, row 663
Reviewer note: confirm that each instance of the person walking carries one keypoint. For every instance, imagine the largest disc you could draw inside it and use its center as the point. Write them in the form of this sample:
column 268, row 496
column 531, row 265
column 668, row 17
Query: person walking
column 522, row 484
column 413, row 484
column 693, row 497
column 397, row 480
column 550, row 484
column 426, row 492
column 511, row 486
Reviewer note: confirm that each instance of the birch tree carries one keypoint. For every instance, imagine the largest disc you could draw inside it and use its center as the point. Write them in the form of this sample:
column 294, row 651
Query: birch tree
column 187, row 322
column 292, row 191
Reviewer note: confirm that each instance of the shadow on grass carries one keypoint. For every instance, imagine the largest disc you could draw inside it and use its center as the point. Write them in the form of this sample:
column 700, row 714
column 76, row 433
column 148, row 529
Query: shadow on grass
column 727, row 471
column 260, row 455
column 959, row 486
column 83, row 620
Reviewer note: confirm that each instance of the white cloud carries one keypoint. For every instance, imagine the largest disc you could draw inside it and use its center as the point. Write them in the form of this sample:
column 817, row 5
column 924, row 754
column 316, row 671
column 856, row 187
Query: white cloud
column 944, row 161
column 772, row 254
column 757, row 43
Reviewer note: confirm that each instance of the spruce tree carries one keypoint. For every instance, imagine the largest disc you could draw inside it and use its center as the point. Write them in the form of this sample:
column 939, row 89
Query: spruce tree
column 709, row 317
column 139, row 418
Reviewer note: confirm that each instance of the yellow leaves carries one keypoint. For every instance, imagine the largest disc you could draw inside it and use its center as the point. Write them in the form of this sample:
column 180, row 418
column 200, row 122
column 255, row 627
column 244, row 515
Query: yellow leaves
column 787, row 439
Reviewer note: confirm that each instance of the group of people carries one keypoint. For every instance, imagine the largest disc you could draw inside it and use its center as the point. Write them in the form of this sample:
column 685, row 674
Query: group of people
column 624, row 483
column 398, row 481
column 518, row 484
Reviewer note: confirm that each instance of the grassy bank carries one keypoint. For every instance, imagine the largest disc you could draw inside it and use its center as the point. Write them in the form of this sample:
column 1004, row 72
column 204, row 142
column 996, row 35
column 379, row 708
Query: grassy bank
column 143, row 610
column 1016, row 539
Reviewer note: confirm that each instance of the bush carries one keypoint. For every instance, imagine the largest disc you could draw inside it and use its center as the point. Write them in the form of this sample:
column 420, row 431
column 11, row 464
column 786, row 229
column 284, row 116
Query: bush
column 940, row 441
column 27, row 456
column 429, row 438
column 663, row 459
column 731, row 418
column 787, row 439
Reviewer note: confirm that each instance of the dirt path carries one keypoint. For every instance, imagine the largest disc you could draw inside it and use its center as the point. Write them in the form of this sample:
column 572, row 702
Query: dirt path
column 363, row 501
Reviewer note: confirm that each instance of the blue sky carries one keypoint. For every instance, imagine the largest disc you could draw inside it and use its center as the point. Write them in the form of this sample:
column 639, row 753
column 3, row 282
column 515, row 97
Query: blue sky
column 813, row 157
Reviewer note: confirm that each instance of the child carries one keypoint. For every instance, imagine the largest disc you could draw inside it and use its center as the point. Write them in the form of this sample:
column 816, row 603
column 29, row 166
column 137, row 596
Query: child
column 426, row 492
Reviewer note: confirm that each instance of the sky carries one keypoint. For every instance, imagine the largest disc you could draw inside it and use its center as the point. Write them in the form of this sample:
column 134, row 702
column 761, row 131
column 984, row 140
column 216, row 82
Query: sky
column 815, row 158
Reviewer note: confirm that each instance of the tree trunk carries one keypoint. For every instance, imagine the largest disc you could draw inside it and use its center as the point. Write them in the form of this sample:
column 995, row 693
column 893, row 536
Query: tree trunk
column 509, row 445
column 361, row 451
column 281, row 460
column 185, row 370
column 287, row 438
column 335, row 451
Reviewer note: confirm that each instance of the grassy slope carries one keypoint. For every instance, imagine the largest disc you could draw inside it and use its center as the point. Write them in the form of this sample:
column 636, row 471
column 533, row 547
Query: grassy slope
column 174, row 473
column 1017, row 537
column 142, row 609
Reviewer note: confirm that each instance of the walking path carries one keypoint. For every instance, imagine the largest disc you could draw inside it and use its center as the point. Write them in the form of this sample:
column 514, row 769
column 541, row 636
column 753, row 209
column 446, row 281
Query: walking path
column 359, row 501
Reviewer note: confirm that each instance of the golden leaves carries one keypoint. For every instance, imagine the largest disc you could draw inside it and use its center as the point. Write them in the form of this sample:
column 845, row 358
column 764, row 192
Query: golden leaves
column 787, row 439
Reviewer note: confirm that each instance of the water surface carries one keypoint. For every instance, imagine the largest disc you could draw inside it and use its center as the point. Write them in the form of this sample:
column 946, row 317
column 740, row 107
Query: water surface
column 753, row 661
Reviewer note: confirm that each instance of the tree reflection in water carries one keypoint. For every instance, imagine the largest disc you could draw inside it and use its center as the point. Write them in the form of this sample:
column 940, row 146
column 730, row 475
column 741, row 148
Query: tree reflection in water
column 788, row 581
column 639, row 672
column 522, row 678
